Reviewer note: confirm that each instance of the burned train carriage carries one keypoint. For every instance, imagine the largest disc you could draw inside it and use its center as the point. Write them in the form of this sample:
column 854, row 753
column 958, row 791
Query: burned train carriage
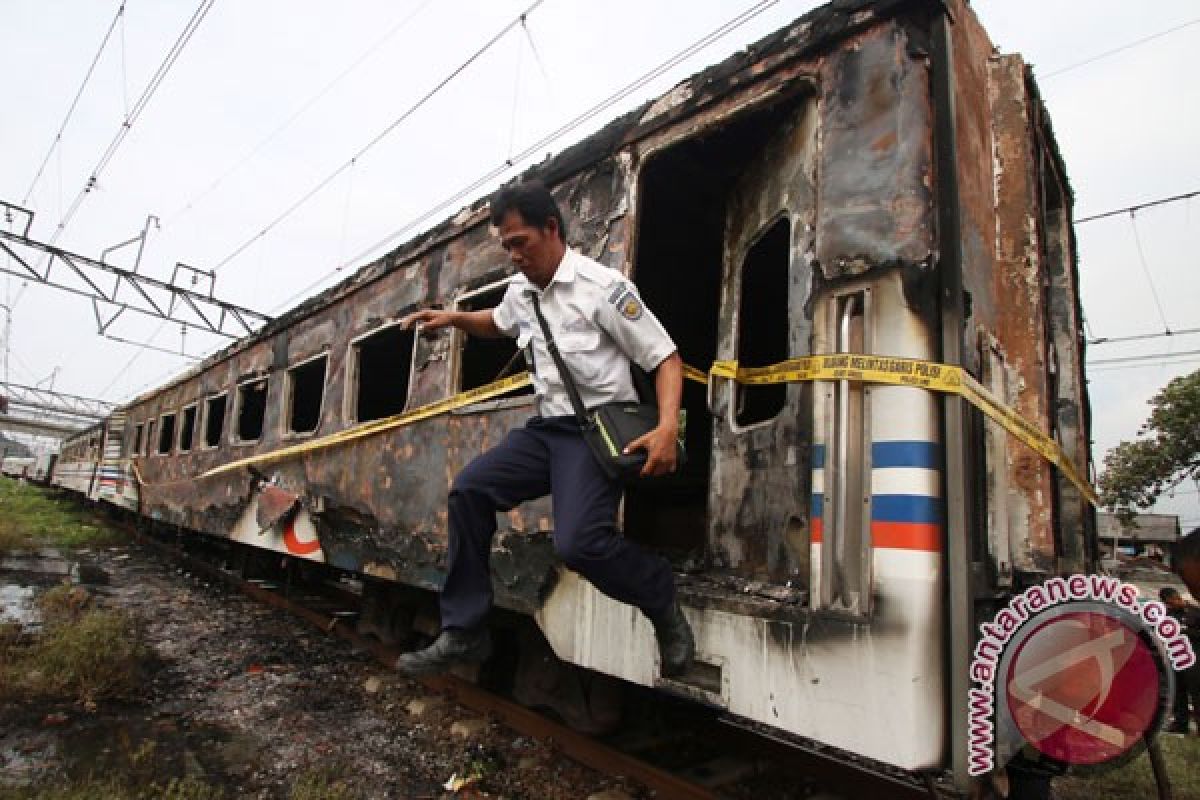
column 870, row 179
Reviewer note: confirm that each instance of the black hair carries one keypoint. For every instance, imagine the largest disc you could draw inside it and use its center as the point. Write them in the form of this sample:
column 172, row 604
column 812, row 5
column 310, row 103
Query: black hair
column 1166, row 594
column 533, row 201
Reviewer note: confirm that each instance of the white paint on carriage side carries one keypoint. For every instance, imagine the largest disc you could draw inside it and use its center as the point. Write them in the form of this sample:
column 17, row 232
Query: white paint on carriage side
column 875, row 689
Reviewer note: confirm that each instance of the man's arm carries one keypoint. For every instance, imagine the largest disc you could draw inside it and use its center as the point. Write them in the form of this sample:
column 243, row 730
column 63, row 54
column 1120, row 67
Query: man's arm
column 475, row 323
column 659, row 443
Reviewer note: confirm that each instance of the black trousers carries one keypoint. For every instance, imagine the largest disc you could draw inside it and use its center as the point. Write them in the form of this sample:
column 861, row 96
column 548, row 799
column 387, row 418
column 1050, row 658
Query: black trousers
column 546, row 456
column 1187, row 688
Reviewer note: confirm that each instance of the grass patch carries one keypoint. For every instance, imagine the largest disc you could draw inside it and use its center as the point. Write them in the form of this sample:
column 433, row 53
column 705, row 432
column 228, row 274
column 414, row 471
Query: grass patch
column 82, row 655
column 113, row 789
column 1136, row 780
column 31, row 517
column 322, row 784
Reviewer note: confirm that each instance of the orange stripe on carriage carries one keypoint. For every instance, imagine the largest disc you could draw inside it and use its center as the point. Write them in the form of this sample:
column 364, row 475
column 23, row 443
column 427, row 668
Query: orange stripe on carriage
column 894, row 535
column 293, row 544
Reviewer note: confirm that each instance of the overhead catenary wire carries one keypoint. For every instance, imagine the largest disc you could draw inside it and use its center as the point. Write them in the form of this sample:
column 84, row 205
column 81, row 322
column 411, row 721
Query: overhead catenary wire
column 1143, row 357
column 1137, row 240
column 1143, row 365
column 156, row 80
column 1121, row 49
column 57, row 140
column 297, row 114
column 1137, row 337
column 393, row 125
column 537, row 147
column 1134, row 209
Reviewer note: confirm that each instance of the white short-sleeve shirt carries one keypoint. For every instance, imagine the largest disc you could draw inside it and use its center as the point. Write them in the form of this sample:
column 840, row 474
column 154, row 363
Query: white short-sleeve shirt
column 600, row 324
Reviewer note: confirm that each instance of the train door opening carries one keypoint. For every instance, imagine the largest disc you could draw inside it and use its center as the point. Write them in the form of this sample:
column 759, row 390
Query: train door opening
column 684, row 195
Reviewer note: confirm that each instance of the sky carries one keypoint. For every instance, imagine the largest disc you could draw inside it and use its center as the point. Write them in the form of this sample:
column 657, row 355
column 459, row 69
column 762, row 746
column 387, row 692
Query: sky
column 272, row 100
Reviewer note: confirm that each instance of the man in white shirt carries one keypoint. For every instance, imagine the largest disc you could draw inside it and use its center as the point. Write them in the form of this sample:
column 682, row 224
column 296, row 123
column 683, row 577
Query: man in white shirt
column 600, row 325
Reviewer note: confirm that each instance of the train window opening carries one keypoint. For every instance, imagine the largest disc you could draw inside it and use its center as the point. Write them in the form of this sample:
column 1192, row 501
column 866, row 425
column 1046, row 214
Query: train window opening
column 252, row 410
column 136, row 449
column 482, row 361
column 214, row 420
column 166, row 433
column 846, row 552
column 305, row 395
column 382, row 365
column 187, row 429
column 763, row 322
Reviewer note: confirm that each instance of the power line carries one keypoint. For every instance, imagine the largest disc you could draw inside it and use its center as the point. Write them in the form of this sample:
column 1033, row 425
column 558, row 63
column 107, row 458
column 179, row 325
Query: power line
column 509, row 163
column 287, row 123
column 1137, row 208
column 1098, row 340
column 1145, row 357
column 1116, row 50
column 139, row 106
column 75, row 102
column 1137, row 240
column 378, row 137
column 1143, row 365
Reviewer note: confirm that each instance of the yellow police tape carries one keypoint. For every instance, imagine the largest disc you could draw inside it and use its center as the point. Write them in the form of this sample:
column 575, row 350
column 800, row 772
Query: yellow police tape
column 894, row 371
column 469, row 397
column 888, row 370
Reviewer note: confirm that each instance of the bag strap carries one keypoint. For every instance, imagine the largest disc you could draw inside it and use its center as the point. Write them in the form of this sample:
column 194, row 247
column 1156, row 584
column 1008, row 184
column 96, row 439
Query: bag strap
column 564, row 373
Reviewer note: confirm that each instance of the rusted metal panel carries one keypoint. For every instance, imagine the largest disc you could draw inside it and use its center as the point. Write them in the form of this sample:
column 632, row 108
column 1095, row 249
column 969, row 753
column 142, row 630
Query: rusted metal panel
column 875, row 156
column 1019, row 322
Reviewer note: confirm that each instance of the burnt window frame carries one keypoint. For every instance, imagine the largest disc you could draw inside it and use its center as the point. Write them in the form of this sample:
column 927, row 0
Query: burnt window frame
column 135, row 446
column 208, row 400
column 526, row 396
column 285, row 419
column 353, row 363
column 174, row 433
column 736, row 391
column 234, row 434
column 194, row 407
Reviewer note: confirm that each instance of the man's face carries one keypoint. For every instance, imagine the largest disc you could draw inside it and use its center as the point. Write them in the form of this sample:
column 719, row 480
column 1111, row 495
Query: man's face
column 533, row 250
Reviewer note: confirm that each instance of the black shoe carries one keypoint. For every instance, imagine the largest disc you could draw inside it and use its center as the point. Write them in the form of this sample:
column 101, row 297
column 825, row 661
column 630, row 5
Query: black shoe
column 1178, row 726
column 676, row 647
column 453, row 646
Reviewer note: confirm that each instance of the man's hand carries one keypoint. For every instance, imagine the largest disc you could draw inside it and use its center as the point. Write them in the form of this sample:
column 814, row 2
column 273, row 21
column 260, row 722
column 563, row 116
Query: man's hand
column 659, row 445
column 430, row 320
column 476, row 323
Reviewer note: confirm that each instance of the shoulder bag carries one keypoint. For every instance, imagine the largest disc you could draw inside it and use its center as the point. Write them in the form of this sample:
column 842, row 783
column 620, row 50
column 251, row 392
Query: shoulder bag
column 610, row 427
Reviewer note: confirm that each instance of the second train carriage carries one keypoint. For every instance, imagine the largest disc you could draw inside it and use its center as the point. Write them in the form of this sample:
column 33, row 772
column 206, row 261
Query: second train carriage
column 870, row 179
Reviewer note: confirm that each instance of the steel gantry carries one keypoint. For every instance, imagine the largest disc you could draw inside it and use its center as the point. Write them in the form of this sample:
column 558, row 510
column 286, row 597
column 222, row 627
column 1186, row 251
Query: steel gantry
column 187, row 298
column 30, row 409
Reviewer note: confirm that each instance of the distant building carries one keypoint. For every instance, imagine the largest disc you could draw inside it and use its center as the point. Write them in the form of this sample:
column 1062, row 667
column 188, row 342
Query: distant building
column 1149, row 535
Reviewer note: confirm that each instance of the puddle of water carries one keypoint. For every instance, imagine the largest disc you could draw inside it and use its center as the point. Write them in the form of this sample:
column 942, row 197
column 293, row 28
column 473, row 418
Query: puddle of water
column 46, row 563
column 16, row 604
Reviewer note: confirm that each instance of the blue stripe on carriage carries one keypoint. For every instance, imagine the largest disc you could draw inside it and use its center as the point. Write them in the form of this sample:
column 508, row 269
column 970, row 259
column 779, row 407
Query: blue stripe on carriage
column 915, row 453
column 927, row 455
column 894, row 508
column 906, row 508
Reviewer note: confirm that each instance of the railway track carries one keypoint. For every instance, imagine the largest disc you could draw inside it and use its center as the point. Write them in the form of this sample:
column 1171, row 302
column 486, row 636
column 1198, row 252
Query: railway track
column 700, row 756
